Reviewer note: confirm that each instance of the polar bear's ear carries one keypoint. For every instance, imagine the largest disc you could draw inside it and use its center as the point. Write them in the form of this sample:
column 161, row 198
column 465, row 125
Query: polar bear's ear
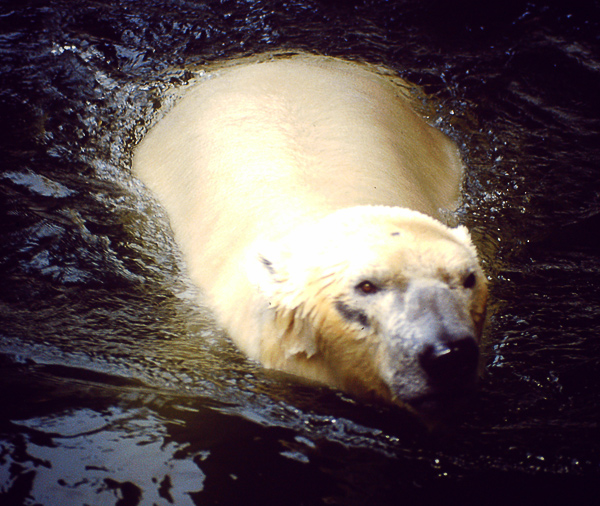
column 462, row 234
column 280, row 275
column 269, row 270
column 273, row 260
column 267, row 263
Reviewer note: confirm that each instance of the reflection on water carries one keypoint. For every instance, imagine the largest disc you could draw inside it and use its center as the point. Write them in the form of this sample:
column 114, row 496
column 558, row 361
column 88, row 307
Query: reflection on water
column 118, row 389
column 102, row 446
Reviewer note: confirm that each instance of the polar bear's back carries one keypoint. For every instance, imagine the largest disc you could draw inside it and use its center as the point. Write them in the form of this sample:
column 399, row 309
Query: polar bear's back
column 257, row 148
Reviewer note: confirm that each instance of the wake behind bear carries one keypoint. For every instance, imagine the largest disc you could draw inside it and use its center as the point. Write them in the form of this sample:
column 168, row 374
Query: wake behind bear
column 305, row 194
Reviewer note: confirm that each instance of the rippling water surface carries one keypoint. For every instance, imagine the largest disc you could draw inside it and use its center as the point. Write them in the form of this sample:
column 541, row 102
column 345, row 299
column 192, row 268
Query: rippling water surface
column 116, row 388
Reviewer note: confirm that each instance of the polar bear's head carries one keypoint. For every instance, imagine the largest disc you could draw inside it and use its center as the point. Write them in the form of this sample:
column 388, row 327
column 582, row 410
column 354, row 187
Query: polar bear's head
column 377, row 301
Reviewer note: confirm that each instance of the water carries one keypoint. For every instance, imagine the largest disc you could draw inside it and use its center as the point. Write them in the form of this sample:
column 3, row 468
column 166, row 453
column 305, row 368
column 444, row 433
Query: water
column 118, row 389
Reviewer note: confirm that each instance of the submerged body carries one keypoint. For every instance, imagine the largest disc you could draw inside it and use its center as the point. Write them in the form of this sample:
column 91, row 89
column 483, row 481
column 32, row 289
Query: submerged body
column 302, row 192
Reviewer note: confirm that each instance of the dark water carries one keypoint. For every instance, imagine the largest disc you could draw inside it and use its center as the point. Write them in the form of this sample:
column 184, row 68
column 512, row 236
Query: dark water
column 116, row 388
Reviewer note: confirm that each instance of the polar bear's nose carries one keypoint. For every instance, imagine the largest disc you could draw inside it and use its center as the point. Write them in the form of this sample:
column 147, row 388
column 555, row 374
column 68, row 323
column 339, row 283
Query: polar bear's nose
column 451, row 362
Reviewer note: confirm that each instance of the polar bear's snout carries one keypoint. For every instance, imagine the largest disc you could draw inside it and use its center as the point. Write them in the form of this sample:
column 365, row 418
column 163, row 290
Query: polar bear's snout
column 448, row 351
column 434, row 342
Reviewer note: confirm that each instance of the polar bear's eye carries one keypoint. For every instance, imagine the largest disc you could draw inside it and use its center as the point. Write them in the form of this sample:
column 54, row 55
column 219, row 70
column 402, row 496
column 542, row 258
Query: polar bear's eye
column 367, row 287
column 469, row 281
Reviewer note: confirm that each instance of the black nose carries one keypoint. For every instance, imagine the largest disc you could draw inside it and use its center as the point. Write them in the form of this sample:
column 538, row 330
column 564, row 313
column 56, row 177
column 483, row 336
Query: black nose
column 451, row 364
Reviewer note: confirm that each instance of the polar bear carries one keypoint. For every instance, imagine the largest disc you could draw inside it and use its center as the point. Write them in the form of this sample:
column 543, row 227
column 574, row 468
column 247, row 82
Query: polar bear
column 305, row 194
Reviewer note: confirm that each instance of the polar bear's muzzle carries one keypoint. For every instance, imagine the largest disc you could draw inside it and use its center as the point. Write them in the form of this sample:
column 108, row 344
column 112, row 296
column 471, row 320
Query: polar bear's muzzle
column 433, row 346
column 449, row 352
